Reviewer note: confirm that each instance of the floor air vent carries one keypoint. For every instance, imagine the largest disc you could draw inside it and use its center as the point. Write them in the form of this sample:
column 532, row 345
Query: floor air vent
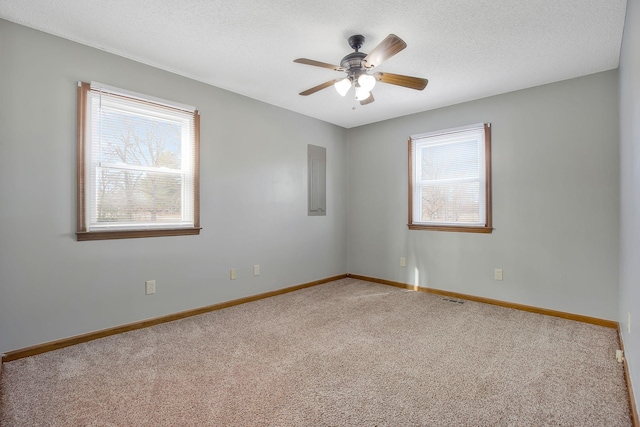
column 454, row 300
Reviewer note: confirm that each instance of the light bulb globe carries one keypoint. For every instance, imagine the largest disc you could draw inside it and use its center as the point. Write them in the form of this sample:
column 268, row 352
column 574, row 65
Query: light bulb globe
column 343, row 86
column 367, row 82
column 362, row 94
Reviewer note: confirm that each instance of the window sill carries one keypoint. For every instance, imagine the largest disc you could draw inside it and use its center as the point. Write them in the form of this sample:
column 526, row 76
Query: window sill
column 134, row 234
column 460, row 229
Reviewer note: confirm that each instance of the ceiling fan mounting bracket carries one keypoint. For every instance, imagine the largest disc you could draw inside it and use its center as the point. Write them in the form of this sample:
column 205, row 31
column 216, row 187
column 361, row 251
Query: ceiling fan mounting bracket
column 356, row 42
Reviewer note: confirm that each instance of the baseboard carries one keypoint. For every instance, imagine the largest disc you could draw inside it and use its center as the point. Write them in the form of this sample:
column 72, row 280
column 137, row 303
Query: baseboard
column 627, row 377
column 66, row 342
column 570, row 316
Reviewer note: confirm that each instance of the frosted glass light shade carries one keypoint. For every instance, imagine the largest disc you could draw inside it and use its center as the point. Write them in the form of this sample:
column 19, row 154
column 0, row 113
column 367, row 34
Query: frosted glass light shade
column 342, row 86
column 367, row 82
column 362, row 94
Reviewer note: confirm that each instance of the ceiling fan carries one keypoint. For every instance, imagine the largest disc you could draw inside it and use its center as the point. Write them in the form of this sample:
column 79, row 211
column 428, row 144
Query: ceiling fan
column 357, row 65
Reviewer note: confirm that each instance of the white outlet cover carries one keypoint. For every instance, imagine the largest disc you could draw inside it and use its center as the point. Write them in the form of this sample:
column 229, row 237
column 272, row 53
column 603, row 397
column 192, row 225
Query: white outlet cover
column 256, row 270
column 150, row 287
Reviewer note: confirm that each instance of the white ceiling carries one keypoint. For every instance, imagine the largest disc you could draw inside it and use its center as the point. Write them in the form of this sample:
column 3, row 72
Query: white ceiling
column 468, row 49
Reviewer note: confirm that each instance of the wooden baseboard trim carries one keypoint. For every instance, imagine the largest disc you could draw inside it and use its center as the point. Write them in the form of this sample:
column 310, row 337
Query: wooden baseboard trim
column 66, row 342
column 632, row 402
column 570, row 316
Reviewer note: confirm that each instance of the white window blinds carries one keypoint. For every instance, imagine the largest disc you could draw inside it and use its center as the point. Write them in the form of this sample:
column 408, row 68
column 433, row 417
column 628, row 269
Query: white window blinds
column 140, row 161
column 449, row 177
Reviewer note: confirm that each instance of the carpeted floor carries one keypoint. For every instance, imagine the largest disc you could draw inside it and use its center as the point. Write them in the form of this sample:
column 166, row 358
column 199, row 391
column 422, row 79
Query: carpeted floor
column 346, row 353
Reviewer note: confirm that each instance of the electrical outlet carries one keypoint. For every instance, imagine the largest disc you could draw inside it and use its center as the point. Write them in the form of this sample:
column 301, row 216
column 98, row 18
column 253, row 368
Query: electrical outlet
column 256, row 270
column 232, row 274
column 497, row 274
column 628, row 323
column 150, row 287
column 403, row 262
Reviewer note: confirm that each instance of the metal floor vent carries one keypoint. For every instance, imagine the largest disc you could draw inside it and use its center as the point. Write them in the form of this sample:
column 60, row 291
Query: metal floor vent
column 453, row 300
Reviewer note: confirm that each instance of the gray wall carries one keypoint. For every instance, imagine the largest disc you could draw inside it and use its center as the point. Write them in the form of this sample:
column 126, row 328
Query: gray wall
column 630, row 191
column 555, row 169
column 253, row 201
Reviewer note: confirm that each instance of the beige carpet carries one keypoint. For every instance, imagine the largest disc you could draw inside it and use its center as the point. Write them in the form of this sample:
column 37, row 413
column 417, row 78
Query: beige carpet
column 346, row 353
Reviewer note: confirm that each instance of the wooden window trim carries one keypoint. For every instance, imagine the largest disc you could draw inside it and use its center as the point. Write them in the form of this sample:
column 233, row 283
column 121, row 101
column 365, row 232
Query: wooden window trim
column 81, row 226
column 131, row 234
column 83, row 91
column 488, row 227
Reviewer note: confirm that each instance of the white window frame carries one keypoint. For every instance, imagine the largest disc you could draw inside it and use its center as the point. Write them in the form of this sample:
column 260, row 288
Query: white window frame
column 480, row 132
column 90, row 99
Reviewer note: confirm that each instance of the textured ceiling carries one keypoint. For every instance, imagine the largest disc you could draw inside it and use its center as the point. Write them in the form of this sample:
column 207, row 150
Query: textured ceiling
column 468, row 49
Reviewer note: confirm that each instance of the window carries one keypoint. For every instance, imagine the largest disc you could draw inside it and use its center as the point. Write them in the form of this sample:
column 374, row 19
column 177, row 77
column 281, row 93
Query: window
column 450, row 180
column 138, row 165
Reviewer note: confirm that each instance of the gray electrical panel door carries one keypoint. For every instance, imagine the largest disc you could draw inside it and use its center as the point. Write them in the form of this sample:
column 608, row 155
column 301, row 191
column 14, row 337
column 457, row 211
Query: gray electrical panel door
column 317, row 180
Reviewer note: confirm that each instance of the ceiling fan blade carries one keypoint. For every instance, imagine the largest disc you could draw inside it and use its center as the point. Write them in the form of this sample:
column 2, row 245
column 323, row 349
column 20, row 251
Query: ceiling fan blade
column 369, row 100
column 388, row 47
column 318, row 64
column 319, row 87
column 400, row 80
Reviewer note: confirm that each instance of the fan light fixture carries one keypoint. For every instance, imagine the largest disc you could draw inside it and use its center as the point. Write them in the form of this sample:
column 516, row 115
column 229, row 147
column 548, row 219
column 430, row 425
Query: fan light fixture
column 364, row 85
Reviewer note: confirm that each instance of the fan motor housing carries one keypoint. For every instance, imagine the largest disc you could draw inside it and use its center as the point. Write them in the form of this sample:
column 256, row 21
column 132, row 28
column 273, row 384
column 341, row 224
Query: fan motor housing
column 353, row 61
